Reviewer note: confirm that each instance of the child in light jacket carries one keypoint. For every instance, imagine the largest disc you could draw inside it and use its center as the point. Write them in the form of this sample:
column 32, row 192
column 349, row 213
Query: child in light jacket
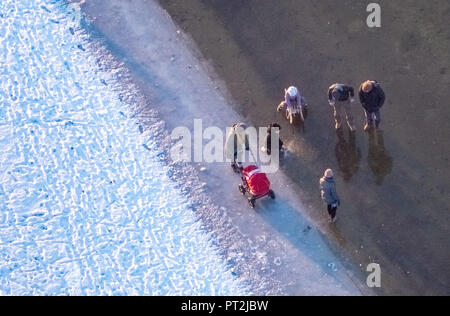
column 329, row 194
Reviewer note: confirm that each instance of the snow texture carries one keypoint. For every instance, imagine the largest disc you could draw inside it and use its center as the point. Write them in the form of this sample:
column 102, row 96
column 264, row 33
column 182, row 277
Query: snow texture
column 86, row 205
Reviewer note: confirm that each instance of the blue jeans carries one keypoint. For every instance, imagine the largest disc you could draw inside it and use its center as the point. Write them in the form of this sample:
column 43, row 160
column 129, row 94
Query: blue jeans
column 373, row 116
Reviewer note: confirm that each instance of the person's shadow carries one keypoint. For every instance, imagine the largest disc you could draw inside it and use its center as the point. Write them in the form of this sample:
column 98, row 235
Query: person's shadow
column 379, row 159
column 348, row 155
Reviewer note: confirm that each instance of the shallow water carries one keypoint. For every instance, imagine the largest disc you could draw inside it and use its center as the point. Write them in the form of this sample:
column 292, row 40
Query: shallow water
column 395, row 209
column 86, row 206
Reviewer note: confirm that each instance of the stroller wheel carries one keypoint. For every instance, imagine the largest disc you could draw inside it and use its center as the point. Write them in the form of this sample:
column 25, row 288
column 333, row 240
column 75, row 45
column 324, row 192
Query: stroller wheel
column 251, row 201
column 272, row 194
column 241, row 189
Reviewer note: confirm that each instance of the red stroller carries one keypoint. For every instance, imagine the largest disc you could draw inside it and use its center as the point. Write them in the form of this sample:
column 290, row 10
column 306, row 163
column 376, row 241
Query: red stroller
column 255, row 183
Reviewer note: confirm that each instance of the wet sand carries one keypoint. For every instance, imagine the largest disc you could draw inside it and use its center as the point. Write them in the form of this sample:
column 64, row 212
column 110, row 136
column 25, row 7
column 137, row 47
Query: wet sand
column 275, row 249
column 393, row 184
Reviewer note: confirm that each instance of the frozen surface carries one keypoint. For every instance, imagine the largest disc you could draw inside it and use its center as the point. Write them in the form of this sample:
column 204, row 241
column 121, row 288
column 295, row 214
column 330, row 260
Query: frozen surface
column 276, row 248
column 86, row 206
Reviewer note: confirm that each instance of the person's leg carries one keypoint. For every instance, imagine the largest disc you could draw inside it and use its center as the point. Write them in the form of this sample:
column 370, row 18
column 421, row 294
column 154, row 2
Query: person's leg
column 337, row 114
column 377, row 115
column 349, row 116
column 332, row 212
column 369, row 120
column 234, row 164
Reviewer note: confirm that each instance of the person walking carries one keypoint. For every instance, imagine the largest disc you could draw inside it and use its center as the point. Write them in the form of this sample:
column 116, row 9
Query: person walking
column 329, row 195
column 372, row 98
column 236, row 144
column 340, row 97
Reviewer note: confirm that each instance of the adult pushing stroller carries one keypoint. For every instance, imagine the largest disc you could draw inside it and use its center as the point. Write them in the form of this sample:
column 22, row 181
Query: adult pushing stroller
column 255, row 183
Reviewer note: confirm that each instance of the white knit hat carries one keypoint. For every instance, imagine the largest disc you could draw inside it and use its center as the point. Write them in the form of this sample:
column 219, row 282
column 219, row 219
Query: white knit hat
column 292, row 91
column 329, row 173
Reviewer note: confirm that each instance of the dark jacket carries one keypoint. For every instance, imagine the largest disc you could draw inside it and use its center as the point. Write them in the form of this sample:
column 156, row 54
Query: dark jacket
column 340, row 92
column 373, row 100
column 269, row 144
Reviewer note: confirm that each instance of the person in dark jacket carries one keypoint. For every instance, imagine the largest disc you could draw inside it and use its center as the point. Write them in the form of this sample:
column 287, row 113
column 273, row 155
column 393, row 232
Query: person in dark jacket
column 340, row 97
column 372, row 98
column 276, row 127
column 328, row 194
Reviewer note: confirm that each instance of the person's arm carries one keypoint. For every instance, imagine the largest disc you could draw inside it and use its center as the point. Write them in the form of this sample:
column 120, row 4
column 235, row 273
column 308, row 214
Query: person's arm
column 280, row 106
column 303, row 101
column 334, row 193
column 330, row 95
column 321, row 190
column 362, row 98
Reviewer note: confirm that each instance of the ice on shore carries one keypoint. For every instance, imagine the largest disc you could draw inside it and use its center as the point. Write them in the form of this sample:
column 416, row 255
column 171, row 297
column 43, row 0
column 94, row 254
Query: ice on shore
column 86, row 206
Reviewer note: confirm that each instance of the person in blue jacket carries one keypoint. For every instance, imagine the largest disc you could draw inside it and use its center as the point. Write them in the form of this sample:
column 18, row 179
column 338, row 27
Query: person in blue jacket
column 329, row 195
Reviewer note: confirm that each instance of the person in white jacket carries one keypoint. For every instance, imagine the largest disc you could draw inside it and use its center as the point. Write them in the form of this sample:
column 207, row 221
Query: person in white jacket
column 236, row 144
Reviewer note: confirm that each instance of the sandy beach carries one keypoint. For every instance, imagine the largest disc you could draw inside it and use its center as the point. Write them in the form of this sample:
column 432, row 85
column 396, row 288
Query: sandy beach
column 396, row 207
